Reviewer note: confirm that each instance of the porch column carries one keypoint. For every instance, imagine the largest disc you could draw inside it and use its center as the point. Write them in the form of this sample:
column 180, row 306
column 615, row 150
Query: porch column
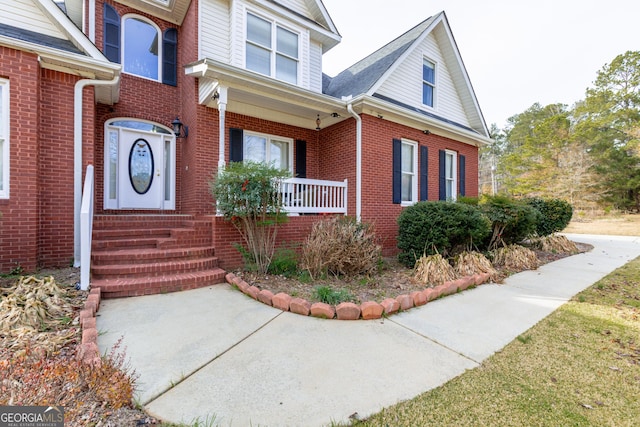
column 222, row 108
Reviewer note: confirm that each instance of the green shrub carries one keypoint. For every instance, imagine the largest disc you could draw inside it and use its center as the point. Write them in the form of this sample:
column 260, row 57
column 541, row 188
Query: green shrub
column 331, row 296
column 555, row 214
column 427, row 228
column 341, row 246
column 284, row 262
column 511, row 220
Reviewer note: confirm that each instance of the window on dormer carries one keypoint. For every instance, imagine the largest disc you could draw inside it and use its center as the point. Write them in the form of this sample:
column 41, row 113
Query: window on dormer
column 428, row 82
column 271, row 49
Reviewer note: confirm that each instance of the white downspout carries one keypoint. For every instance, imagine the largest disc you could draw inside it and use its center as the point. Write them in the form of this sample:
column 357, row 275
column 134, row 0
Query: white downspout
column 77, row 158
column 358, row 161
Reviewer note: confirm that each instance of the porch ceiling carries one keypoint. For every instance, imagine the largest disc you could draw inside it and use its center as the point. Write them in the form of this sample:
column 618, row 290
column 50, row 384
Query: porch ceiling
column 262, row 97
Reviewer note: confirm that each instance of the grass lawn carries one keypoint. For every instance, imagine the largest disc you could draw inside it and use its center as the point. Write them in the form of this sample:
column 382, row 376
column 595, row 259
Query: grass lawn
column 580, row 366
column 623, row 225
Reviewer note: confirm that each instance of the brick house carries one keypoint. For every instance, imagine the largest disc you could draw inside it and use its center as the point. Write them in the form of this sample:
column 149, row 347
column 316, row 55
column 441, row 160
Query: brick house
column 156, row 95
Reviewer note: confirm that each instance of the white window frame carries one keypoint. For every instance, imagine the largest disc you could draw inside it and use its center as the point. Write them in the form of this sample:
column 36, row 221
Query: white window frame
column 4, row 138
column 269, row 138
column 434, row 85
column 273, row 49
column 123, row 44
column 414, row 174
column 454, row 170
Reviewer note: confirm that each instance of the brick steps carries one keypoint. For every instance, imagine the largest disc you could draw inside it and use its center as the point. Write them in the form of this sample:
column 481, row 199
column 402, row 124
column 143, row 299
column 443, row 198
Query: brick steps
column 142, row 256
column 138, row 286
column 148, row 254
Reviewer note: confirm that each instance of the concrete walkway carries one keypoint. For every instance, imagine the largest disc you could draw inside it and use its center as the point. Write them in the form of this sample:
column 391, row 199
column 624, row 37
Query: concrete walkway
column 214, row 352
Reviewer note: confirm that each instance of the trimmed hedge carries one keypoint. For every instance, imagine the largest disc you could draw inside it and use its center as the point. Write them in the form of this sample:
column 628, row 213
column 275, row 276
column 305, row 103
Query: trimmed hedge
column 433, row 227
column 512, row 220
column 555, row 215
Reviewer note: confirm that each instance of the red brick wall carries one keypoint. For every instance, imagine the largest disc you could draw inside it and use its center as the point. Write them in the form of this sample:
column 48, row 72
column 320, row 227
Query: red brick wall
column 140, row 98
column 225, row 237
column 19, row 220
column 338, row 161
column 56, row 165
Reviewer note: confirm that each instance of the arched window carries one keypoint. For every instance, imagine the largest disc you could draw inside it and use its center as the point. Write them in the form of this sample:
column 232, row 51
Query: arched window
column 137, row 43
column 141, row 50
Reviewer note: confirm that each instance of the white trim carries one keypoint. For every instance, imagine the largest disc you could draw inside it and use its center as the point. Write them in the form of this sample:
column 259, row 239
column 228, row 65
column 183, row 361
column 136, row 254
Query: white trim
column 273, row 50
column 436, row 74
column 109, row 203
column 5, row 136
column 454, row 171
column 414, row 182
column 269, row 138
column 123, row 45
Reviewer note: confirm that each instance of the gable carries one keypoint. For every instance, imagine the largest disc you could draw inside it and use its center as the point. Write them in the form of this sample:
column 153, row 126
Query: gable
column 25, row 15
column 394, row 74
column 405, row 83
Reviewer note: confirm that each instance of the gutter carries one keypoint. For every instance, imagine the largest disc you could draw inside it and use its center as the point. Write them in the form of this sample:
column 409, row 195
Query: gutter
column 358, row 161
column 77, row 157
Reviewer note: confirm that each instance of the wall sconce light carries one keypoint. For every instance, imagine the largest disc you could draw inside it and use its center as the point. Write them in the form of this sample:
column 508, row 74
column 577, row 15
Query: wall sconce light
column 426, row 132
column 318, row 122
column 180, row 130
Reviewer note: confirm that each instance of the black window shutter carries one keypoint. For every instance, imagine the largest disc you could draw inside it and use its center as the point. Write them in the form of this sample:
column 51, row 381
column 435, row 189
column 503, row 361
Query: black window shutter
column 424, row 173
column 442, row 174
column 170, row 57
column 301, row 158
column 235, row 145
column 397, row 171
column 462, row 165
column 111, row 34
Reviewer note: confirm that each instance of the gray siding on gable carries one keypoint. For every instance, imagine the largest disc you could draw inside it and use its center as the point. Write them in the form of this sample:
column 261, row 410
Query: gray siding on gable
column 316, row 66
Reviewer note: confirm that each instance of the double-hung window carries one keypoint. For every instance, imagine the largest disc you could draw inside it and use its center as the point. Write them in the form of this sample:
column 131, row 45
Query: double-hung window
column 450, row 174
column 272, row 50
column 4, row 139
column 409, row 167
column 273, row 150
column 428, row 82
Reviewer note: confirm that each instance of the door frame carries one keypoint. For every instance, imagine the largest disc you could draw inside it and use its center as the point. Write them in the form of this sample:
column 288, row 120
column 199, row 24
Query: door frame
column 113, row 129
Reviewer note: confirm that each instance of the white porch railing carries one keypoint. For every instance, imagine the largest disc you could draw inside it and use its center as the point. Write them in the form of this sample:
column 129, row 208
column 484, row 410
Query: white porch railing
column 301, row 195
column 86, row 228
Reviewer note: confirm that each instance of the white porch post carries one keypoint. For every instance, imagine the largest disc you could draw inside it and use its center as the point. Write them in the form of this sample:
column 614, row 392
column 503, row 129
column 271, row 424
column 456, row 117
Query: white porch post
column 222, row 108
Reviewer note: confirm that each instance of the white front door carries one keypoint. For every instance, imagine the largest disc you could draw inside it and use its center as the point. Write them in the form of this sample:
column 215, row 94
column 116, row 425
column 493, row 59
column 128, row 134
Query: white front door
column 139, row 163
column 141, row 181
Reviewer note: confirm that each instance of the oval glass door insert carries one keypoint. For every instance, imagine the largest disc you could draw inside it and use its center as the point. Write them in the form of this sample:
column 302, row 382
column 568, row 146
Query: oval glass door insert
column 141, row 166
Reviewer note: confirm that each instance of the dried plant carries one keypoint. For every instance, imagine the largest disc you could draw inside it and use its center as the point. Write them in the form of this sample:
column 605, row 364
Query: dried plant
column 515, row 257
column 341, row 246
column 433, row 269
column 555, row 243
column 470, row 263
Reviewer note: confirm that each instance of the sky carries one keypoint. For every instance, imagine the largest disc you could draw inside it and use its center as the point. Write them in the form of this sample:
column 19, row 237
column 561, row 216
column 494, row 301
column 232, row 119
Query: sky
column 516, row 52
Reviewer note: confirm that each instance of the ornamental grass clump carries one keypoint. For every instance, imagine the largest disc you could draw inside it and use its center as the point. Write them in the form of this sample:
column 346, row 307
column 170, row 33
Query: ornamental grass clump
column 433, row 270
column 515, row 258
column 555, row 244
column 342, row 247
column 470, row 263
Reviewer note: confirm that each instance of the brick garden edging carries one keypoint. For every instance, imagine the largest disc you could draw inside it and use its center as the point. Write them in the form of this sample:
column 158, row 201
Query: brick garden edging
column 87, row 351
column 349, row 311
